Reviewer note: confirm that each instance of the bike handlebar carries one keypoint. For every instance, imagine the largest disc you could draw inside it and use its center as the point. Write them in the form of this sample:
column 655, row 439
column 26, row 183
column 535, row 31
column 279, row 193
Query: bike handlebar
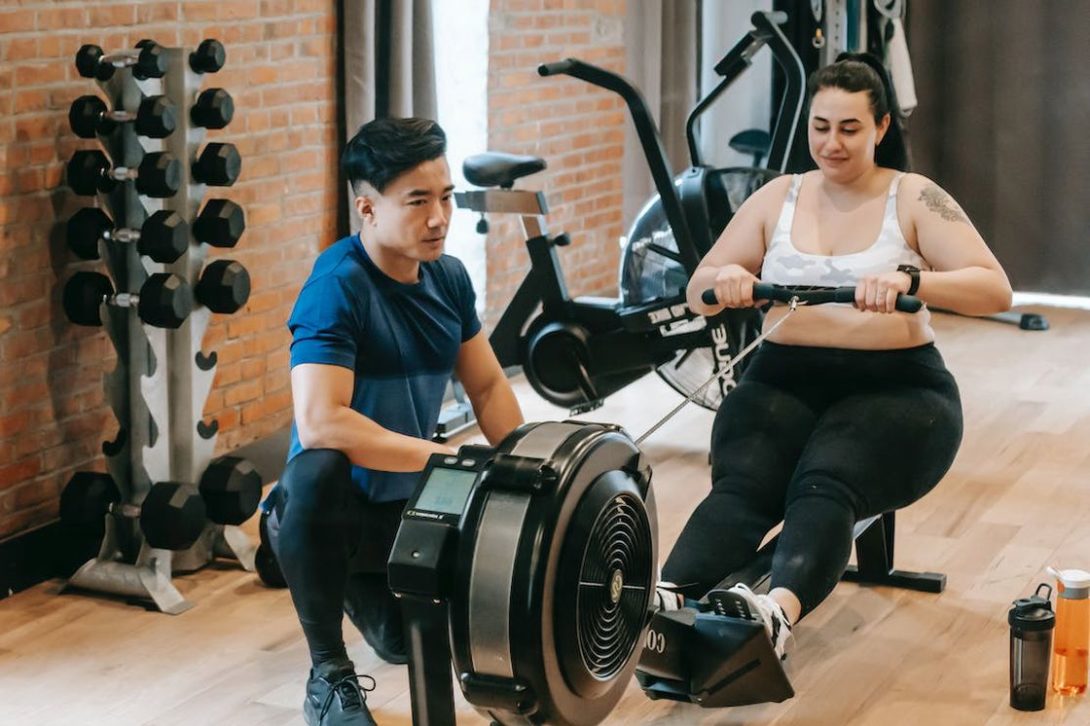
column 765, row 291
column 650, row 142
column 555, row 68
column 777, row 17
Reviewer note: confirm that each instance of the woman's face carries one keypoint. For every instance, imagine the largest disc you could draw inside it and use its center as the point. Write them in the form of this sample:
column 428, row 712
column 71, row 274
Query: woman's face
column 843, row 134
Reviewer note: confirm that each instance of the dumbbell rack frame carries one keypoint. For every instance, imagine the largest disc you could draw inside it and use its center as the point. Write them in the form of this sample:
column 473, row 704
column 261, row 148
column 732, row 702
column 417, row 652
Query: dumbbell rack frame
column 163, row 378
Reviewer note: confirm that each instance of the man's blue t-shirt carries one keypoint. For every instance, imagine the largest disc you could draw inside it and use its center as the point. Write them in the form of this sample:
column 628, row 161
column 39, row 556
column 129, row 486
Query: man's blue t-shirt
column 401, row 340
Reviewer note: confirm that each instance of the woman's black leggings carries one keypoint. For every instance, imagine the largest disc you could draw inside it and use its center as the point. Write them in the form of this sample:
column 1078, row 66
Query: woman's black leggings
column 818, row 438
column 330, row 539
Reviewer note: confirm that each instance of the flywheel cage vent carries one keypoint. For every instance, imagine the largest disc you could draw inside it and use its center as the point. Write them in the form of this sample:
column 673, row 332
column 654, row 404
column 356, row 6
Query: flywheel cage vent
column 614, row 581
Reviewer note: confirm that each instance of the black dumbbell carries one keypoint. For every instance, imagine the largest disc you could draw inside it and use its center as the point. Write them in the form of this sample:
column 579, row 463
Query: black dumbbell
column 164, row 236
column 172, row 515
column 214, row 109
column 231, row 489
column 220, row 224
column 147, row 61
column 164, row 301
column 218, row 165
column 159, row 173
column 265, row 562
column 209, row 56
column 224, row 286
column 155, row 118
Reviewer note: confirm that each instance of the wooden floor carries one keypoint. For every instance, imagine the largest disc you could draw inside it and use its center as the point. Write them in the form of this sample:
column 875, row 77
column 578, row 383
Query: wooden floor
column 1017, row 499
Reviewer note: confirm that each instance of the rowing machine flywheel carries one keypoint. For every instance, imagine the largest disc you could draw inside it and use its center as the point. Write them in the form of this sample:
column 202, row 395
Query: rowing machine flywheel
column 549, row 580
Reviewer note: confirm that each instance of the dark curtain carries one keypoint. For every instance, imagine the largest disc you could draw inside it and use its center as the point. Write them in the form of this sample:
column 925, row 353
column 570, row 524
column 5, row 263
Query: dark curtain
column 385, row 67
column 661, row 46
column 1004, row 103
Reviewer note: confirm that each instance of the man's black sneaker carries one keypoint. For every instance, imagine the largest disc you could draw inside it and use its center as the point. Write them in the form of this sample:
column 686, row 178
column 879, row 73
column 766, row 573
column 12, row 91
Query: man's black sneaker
column 375, row 611
column 337, row 699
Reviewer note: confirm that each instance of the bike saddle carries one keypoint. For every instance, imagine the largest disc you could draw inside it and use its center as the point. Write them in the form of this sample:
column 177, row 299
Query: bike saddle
column 497, row 169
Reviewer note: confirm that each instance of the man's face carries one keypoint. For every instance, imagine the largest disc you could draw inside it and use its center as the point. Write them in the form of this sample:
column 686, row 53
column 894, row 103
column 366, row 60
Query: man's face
column 409, row 218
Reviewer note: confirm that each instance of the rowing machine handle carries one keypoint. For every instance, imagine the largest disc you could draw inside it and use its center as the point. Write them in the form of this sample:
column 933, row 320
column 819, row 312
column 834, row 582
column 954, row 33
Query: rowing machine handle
column 765, row 291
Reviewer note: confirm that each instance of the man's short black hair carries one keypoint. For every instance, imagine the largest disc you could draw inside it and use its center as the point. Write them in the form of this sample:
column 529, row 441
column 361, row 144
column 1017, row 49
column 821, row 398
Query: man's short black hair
column 385, row 148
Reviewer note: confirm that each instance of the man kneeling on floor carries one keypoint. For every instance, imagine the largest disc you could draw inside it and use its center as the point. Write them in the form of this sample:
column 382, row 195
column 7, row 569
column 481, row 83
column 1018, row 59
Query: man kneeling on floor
column 381, row 323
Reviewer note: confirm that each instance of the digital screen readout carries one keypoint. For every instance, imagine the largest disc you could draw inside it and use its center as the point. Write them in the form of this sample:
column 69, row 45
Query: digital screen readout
column 446, row 490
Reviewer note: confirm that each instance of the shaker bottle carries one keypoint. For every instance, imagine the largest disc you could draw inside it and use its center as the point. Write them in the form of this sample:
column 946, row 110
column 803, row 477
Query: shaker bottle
column 1069, row 649
column 1031, row 620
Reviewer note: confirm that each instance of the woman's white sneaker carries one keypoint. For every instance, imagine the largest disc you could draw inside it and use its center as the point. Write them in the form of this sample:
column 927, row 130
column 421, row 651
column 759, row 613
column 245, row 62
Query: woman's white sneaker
column 741, row 602
column 667, row 597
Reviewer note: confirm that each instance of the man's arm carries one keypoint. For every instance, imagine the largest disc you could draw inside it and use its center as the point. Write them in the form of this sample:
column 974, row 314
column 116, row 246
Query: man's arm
column 494, row 403
column 322, row 396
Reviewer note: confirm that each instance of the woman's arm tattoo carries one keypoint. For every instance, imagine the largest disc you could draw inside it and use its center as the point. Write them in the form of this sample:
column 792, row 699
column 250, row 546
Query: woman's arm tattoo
column 941, row 204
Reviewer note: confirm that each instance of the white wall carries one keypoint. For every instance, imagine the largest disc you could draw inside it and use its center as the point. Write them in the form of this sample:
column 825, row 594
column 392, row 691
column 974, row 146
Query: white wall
column 461, row 74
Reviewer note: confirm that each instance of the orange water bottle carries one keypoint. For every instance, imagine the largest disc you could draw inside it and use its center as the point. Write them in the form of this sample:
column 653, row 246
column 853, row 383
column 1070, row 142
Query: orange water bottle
column 1072, row 637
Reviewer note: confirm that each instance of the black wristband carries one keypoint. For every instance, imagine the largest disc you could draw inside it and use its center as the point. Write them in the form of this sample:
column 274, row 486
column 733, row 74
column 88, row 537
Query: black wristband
column 914, row 275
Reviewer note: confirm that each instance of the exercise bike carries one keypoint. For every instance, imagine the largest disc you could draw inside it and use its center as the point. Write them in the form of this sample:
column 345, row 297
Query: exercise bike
column 577, row 351
column 651, row 263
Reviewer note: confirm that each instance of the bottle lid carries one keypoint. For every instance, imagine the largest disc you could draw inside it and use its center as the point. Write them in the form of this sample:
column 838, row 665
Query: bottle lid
column 1072, row 579
column 1033, row 613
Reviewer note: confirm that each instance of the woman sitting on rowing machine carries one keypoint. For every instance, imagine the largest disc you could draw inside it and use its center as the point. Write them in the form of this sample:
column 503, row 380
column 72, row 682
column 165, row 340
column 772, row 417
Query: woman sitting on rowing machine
column 846, row 410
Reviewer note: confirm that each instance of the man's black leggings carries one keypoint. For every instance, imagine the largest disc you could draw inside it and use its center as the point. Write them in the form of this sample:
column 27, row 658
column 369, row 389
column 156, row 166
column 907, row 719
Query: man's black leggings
column 818, row 438
column 332, row 545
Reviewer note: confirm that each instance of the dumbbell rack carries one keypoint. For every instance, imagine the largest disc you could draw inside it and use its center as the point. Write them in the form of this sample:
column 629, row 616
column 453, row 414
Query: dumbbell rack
column 163, row 378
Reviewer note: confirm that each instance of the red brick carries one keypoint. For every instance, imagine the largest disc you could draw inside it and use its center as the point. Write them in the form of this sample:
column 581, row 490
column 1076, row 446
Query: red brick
column 77, row 452
column 20, row 471
column 34, row 493
column 252, row 369
column 261, row 75
column 20, row 49
column 260, row 214
column 239, row 10
column 58, row 46
column 19, row 21
column 56, row 19
column 22, row 289
column 31, row 100
column 149, row 13
column 270, row 8
column 245, row 391
column 314, row 47
column 29, row 180
column 196, row 12
column 279, row 118
column 228, row 418
column 112, row 15
column 300, row 71
column 214, row 402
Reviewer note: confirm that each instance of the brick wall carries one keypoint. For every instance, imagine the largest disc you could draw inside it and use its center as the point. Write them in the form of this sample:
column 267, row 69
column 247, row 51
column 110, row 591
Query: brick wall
column 577, row 128
column 280, row 71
